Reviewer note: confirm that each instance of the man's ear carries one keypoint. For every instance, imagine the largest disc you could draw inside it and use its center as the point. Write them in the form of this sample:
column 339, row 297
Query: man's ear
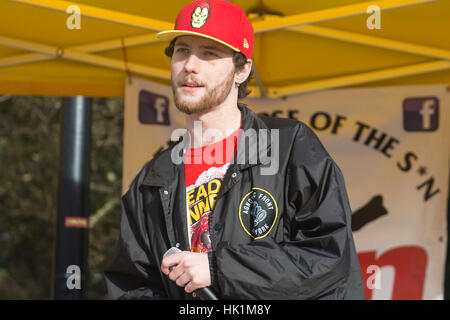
column 244, row 72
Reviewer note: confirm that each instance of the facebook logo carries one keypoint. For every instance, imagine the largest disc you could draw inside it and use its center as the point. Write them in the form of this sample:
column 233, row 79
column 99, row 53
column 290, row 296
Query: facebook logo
column 421, row 114
column 153, row 108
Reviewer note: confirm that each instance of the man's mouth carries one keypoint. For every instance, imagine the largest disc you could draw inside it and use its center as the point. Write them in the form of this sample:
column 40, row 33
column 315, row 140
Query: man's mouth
column 191, row 84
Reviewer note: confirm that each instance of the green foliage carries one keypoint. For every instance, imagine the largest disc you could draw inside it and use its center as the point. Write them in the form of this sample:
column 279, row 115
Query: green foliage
column 29, row 162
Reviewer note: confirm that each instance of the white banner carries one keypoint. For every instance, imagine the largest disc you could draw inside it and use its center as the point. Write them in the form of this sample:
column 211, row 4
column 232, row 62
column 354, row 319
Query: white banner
column 149, row 120
column 392, row 145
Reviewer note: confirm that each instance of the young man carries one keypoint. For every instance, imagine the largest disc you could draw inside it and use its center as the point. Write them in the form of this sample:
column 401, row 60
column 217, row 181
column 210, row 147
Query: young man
column 249, row 225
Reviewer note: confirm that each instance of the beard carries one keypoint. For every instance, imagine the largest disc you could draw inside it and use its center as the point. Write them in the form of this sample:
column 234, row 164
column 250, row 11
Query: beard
column 212, row 96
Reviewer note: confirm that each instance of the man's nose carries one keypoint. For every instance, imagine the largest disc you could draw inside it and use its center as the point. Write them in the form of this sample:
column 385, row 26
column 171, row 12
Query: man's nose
column 191, row 64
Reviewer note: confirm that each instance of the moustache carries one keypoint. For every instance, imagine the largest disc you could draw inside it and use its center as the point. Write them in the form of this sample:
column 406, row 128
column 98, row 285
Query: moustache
column 191, row 81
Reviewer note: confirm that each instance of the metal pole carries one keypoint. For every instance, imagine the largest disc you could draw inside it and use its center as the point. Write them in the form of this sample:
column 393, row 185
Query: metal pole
column 71, row 247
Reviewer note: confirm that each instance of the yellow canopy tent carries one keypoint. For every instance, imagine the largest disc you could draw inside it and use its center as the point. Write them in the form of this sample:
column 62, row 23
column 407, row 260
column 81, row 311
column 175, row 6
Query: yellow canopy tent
column 88, row 47
column 300, row 46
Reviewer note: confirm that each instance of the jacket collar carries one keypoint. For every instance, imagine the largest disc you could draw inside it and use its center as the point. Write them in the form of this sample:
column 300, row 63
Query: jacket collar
column 163, row 172
column 251, row 156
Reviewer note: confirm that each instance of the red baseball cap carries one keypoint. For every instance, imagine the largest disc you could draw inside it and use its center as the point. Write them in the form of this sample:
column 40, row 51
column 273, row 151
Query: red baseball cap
column 218, row 20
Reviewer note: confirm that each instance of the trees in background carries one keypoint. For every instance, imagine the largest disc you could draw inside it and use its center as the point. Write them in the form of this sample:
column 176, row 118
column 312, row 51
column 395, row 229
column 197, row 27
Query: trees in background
column 29, row 163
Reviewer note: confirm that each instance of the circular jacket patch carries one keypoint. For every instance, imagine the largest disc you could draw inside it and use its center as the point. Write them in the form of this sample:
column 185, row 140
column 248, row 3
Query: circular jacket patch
column 258, row 212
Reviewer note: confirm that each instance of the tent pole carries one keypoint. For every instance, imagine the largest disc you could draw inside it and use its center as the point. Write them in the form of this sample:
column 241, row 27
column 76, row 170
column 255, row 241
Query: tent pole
column 71, row 246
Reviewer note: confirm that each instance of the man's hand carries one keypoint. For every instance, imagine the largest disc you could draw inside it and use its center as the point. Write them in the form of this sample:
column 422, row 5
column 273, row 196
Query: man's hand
column 191, row 270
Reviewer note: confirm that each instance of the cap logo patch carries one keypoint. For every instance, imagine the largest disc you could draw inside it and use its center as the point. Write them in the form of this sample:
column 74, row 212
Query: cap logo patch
column 258, row 212
column 246, row 46
column 200, row 15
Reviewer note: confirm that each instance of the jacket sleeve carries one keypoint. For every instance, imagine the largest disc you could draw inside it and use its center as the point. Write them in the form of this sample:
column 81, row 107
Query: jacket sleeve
column 317, row 255
column 133, row 273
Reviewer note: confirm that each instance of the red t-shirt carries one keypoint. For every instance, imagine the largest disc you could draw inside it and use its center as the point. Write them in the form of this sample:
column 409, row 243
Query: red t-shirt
column 205, row 168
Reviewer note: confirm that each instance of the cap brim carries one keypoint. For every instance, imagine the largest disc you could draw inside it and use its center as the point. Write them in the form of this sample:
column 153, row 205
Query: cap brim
column 172, row 34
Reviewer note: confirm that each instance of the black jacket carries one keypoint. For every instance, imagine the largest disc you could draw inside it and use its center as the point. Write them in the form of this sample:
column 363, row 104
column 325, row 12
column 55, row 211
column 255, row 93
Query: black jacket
column 293, row 242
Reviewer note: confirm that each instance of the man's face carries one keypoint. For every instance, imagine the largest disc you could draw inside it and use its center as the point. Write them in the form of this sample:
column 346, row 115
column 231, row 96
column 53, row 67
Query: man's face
column 202, row 74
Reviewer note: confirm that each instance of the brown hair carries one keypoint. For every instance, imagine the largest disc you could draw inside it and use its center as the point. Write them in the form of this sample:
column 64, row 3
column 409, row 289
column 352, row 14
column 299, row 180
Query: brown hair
column 239, row 60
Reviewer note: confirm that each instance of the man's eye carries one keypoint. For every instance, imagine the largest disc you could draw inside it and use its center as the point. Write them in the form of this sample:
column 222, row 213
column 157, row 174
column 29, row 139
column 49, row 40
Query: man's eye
column 210, row 54
column 181, row 50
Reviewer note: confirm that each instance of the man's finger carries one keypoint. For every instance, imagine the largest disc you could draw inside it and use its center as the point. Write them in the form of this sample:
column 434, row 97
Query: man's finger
column 170, row 261
column 183, row 280
column 176, row 272
column 190, row 287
